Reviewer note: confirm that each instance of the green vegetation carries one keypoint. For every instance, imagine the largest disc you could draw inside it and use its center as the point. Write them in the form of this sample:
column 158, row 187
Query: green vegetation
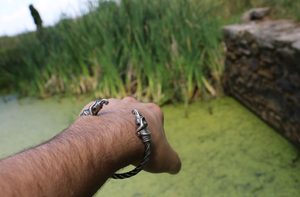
column 158, row 50
column 237, row 156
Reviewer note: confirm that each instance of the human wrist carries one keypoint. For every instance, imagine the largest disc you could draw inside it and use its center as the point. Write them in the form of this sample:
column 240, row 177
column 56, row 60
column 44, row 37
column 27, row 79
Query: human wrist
column 127, row 147
column 113, row 134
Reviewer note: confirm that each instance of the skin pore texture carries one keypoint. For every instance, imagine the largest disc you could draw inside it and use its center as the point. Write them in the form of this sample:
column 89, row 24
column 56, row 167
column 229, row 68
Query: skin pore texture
column 79, row 160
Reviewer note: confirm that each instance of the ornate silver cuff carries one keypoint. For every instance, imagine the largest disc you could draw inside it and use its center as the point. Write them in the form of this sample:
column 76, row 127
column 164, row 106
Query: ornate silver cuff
column 142, row 132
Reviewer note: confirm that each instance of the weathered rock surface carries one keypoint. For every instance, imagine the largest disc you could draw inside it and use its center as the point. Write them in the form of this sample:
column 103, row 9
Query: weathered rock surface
column 262, row 70
column 256, row 14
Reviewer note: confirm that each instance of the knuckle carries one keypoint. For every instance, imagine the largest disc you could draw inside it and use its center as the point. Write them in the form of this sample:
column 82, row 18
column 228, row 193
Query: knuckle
column 129, row 99
column 156, row 109
column 112, row 99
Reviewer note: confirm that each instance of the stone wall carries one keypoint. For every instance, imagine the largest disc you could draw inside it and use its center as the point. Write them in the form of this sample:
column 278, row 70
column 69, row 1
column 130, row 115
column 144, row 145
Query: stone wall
column 262, row 71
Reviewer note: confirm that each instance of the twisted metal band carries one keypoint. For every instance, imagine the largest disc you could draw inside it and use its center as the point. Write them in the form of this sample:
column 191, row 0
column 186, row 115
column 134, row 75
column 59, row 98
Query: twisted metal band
column 145, row 135
column 138, row 168
column 95, row 108
column 142, row 132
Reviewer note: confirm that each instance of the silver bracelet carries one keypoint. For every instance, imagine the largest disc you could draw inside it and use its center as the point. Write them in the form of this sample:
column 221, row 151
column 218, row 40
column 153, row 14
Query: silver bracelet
column 142, row 132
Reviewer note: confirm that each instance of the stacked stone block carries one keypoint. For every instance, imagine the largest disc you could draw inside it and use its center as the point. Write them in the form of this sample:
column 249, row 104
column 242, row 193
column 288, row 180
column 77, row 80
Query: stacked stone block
column 262, row 70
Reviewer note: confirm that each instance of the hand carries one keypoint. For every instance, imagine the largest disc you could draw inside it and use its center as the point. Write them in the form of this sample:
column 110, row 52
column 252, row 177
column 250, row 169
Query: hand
column 81, row 158
column 163, row 158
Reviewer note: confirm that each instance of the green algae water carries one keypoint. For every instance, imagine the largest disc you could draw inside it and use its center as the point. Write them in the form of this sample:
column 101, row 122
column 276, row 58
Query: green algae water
column 225, row 149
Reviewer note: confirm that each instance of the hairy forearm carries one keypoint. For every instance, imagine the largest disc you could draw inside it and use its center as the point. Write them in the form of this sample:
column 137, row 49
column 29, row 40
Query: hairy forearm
column 74, row 163
column 80, row 159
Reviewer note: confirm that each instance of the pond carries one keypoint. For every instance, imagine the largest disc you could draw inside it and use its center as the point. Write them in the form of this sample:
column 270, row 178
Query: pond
column 225, row 149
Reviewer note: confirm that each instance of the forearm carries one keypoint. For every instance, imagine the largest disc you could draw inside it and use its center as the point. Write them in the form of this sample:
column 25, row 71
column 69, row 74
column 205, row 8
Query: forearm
column 74, row 163
column 80, row 159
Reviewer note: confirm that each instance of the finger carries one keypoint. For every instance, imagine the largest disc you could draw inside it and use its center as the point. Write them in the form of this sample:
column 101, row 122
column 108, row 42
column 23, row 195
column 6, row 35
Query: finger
column 171, row 161
column 175, row 167
column 165, row 159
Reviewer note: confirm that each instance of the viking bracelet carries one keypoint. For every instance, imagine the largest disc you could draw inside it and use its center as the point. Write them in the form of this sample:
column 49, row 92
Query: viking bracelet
column 142, row 131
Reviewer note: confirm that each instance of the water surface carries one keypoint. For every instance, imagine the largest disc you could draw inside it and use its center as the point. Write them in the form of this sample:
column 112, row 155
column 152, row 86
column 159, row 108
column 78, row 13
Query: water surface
column 225, row 149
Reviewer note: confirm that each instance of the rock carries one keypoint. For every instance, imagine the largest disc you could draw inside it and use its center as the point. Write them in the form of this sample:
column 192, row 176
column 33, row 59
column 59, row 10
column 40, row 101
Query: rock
column 263, row 72
column 296, row 45
column 255, row 14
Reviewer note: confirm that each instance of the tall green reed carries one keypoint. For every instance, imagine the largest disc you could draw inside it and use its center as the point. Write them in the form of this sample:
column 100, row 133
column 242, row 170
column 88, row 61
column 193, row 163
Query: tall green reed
column 160, row 50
